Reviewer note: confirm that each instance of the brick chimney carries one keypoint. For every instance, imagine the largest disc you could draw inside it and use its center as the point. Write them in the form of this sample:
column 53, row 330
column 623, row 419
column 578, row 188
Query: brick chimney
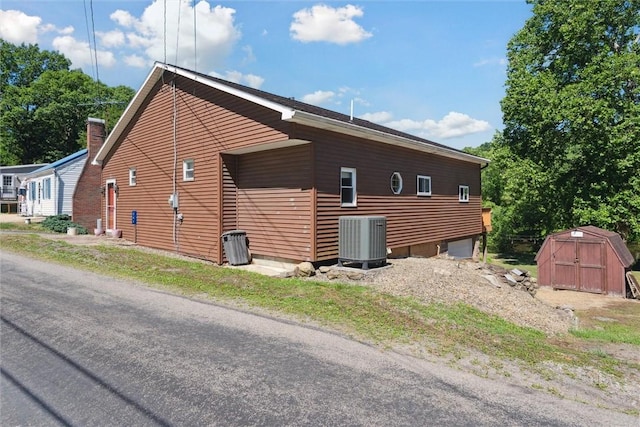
column 87, row 198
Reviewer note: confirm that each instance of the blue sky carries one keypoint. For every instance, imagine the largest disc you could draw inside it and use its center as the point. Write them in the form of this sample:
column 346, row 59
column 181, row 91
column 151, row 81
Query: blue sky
column 432, row 68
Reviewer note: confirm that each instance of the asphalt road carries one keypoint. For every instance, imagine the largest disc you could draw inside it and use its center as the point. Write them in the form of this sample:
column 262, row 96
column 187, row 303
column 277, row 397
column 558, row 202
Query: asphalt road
column 83, row 349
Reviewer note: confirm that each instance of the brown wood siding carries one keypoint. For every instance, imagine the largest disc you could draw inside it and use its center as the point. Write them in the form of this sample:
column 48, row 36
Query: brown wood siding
column 411, row 219
column 208, row 122
column 274, row 202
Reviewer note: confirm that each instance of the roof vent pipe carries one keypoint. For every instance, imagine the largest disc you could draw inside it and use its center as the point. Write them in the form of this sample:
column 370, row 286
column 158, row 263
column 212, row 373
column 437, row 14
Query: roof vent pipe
column 351, row 116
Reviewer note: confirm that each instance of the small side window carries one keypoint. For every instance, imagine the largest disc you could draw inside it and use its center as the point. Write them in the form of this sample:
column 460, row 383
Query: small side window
column 424, row 185
column 132, row 177
column 463, row 193
column 347, row 187
column 188, row 170
column 396, row 183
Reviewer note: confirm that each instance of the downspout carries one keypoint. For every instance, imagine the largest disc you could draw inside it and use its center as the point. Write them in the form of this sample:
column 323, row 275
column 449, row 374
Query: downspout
column 56, row 206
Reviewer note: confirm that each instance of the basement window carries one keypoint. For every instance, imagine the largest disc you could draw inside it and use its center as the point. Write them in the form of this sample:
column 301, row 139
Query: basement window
column 347, row 187
column 188, row 169
column 132, row 177
column 463, row 193
column 396, row 183
column 424, row 185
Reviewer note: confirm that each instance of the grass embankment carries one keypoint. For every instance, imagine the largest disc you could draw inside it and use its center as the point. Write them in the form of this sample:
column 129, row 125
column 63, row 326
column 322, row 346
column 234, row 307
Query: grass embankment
column 358, row 311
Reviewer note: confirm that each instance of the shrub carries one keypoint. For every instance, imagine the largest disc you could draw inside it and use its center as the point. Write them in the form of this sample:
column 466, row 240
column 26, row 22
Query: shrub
column 60, row 223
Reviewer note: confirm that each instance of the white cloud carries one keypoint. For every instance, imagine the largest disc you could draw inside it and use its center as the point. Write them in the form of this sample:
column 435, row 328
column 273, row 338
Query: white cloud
column 324, row 23
column 81, row 54
column 490, row 61
column 124, row 18
column 253, row 81
column 136, row 61
column 215, row 29
column 16, row 27
column 67, row 30
column 452, row 125
column 113, row 38
column 249, row 55
column 318, row 97
column 250, row 80
column 378, row 117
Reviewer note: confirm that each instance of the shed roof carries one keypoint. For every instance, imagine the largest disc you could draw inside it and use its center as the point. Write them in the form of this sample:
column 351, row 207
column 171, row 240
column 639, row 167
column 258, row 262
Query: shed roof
column 614, row 239
column 57, row 163
column 291, row 110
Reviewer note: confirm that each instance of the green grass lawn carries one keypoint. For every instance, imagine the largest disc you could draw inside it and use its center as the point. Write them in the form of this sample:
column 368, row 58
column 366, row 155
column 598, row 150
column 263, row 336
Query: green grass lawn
column 358, row 311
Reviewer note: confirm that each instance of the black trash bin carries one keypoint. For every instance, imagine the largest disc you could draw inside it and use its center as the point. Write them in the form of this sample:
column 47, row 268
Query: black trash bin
column 236, row 247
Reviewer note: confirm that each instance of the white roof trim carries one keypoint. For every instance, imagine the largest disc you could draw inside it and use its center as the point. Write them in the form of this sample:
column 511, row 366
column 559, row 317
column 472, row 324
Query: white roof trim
column 288, row 114
column 268, row 146
column 316, row 121
column 156, row 73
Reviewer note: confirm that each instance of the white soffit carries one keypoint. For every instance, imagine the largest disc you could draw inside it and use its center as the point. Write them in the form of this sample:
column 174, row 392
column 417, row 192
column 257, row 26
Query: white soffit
column 268, row 146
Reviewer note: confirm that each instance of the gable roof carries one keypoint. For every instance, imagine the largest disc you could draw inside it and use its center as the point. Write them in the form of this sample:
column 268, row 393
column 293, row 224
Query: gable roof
column 614, row 239
column 57, row 164
column 20, row 169
column 290, row 109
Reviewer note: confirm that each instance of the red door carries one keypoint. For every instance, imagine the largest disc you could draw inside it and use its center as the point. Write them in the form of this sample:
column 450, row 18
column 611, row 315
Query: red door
column 564, row 272
column 578, row 264
column 111, row 206
column 591, row 265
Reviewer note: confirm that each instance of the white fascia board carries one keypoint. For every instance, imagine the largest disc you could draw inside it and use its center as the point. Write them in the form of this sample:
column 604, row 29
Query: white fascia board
column 286, row 112
column 155, row 74
column 375, row 135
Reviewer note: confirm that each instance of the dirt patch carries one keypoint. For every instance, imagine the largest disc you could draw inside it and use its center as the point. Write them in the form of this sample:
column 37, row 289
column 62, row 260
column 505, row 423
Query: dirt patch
column 577, row 300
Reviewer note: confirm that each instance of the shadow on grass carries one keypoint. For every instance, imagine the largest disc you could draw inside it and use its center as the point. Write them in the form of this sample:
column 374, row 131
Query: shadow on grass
column 516, row 258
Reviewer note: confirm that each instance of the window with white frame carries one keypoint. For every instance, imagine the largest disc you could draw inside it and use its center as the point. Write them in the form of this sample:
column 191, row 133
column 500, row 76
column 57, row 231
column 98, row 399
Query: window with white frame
column 347, row 187
column 32, row 190
column 396, row 183
column 424, row 185
column 463, row 193
column 132, row 176
column 188, row 169
column 46, row 188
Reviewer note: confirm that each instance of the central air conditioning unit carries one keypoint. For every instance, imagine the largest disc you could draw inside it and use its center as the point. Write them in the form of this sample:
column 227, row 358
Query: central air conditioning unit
column 362, row 239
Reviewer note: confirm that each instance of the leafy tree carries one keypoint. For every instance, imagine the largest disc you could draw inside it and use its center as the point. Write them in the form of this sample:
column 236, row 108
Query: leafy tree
column 44, row 105
column 572, row 114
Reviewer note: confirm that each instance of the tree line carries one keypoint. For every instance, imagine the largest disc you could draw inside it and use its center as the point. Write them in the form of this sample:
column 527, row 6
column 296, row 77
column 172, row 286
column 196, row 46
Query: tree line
column 569, row 154
column 45, row 105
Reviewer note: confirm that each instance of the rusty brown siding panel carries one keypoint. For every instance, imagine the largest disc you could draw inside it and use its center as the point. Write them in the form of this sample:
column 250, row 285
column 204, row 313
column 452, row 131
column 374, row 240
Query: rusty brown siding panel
column 274, row 202
column 615, row 274
column 411, row 219
column 204, row 128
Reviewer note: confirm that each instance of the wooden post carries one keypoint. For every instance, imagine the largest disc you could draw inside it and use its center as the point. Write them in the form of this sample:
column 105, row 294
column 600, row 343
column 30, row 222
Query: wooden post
column 484, row 248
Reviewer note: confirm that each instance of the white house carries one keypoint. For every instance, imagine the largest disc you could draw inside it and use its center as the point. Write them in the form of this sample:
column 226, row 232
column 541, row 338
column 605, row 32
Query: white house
column 50, row 188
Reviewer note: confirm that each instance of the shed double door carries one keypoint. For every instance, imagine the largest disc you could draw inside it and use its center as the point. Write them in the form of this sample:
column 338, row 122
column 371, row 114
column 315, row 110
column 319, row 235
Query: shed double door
column 579, row 264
